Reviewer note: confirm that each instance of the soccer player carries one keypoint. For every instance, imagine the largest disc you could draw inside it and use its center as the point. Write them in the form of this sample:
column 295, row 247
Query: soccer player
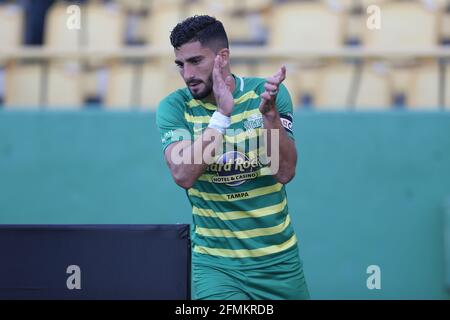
column 243, row 243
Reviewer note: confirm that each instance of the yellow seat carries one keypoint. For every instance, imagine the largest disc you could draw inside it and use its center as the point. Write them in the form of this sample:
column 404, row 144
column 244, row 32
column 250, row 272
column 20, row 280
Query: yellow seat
column 23, row 87
column 445, row 27
column 343, row 86
column 11, row 30
column 404, row 25
column 424, row 90
column 256, row 5
column 217, row 6
column 347, row 4
column 141, row 86
column 162, row 20
column 121, row 91
column 105, row 26
column 64, row 85
column 374, row 90
column 56, row 33
column 159, row 79
column 334, row 87
column 134, row 5
column 242, row 69
column 310, row 25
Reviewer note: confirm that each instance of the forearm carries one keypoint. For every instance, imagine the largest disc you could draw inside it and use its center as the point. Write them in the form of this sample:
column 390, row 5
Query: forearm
column 195, row 158
column 286, row 151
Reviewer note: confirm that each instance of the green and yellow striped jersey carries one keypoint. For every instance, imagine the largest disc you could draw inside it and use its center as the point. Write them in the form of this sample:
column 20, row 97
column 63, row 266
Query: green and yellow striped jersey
column 240, row 212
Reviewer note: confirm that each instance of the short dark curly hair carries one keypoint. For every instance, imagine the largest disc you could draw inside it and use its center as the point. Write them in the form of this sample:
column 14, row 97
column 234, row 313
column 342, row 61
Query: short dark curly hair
column 206, row 29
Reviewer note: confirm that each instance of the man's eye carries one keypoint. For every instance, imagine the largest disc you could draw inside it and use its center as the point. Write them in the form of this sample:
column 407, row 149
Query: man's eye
column 180, row 66
column 195, row 61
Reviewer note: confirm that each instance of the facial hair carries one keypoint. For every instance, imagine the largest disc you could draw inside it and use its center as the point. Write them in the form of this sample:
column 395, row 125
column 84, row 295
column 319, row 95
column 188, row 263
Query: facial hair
column 206, row 92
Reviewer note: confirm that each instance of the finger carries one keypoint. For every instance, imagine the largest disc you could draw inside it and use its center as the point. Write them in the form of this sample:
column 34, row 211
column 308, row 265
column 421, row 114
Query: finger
column 265, row 106
column 217, row 74
column 270, row 87
column 281, row 74
column 272, row 80
column 279, row 77
column 229, row 82
column 265, row 97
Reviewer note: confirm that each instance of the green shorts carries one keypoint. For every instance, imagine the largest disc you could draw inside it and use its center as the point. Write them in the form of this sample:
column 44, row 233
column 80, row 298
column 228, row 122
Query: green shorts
column 282, row 281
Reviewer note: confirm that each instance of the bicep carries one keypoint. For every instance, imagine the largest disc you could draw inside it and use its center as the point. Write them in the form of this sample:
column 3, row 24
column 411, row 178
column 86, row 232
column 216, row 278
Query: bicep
column 285, row 109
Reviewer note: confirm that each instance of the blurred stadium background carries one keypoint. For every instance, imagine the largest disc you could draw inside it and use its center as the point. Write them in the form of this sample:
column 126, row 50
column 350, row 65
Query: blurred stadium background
column 372, row 125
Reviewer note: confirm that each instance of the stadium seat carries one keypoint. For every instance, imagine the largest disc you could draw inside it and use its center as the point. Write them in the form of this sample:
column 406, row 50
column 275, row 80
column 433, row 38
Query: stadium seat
column 308, row 25
column 11, row 30
column 405, row 25
column 159, row 79
column 334, row 87
column 64, row 85
column 141, row 86
column 355, row 23
column 220, row 5
column 374, row 91
column 445, row 26
column 243, row 28
column 256, row 5
column 121, row 91
column 418, row 83
column 302, row 80
column 347, row 4
column 105, row 26
column 243, row 69
column 134, row 5
column 56, row 34
column 243, row 23
column 23, row 85
column 163, row 18
column 424, row 90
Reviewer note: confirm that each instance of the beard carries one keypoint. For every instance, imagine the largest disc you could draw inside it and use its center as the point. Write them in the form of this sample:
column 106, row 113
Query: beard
column 207, row 91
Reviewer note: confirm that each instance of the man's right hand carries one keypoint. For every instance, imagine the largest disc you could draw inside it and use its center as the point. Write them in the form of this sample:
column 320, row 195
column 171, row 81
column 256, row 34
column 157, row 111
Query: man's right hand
column 222, row 88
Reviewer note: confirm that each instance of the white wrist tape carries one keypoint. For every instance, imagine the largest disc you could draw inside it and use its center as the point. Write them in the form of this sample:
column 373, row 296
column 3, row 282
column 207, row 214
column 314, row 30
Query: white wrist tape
column 219, row 122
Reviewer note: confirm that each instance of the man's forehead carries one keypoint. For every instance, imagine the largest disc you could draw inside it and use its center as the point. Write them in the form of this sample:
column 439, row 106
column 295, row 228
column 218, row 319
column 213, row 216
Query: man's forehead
column 192, row 49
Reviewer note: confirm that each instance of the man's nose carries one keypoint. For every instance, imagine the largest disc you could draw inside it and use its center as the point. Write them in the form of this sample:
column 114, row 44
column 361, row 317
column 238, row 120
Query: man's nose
column 188, row 73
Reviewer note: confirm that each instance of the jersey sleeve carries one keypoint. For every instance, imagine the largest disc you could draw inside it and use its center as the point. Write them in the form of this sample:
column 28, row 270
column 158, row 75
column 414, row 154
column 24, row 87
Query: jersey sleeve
column 171, row 122
column 285, row 109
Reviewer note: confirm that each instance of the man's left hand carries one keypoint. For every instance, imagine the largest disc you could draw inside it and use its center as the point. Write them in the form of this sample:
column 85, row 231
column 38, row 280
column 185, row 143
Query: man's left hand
column 268, row 97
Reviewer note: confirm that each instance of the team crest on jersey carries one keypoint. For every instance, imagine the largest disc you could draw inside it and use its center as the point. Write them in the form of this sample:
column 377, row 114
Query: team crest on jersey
column 253, row 122
column 234, row 168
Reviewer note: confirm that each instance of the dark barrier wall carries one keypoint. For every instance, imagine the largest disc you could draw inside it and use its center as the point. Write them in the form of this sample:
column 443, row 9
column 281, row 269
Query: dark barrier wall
column 370, row 189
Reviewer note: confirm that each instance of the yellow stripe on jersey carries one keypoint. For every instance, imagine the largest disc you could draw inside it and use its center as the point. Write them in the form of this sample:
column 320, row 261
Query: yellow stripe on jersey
column 244, row 253
column 243, row 135
column 196, row 103
column 244, row 234
column 245, row 97
column 224, row 197
column 233, row 215
column 234, row 118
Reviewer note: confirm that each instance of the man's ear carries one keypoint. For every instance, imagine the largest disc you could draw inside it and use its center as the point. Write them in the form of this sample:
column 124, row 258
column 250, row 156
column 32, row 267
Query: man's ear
column 225, row 54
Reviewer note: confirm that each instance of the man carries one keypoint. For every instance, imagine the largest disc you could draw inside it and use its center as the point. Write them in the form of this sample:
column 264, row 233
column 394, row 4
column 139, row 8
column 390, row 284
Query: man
column 243, row 244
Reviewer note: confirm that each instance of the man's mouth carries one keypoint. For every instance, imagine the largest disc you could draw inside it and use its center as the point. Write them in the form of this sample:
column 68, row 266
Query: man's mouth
column 194, row 84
